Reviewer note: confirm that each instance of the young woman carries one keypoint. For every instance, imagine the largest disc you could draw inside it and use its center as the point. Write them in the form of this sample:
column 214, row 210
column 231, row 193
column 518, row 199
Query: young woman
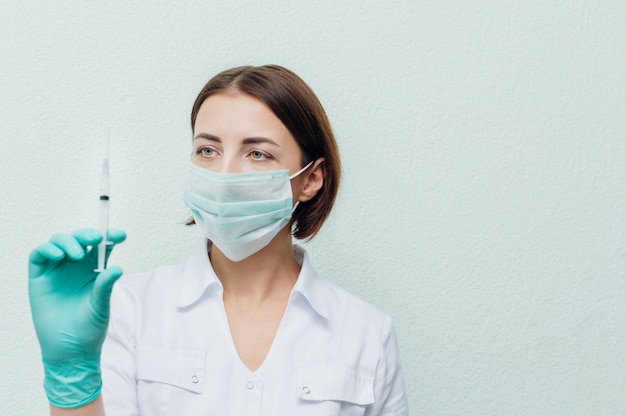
column 245, row 326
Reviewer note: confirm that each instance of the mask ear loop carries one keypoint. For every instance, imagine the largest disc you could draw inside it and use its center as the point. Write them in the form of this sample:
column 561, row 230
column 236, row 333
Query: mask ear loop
column 301, row 170
column 295, row 175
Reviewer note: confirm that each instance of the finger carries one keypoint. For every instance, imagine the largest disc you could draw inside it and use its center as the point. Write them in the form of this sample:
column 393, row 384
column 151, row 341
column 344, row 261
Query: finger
column 70, row 245
column 93, row 237
column 87, row 236
column 115, row 235
column 41, row 257
column 101, row 294
column 46, row 252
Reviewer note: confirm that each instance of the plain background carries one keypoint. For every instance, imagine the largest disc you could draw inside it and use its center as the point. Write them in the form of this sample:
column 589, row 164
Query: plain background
column 484, row 158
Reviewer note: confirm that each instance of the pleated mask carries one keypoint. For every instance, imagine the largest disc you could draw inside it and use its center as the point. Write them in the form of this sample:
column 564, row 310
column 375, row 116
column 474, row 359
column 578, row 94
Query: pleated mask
column 240, row 212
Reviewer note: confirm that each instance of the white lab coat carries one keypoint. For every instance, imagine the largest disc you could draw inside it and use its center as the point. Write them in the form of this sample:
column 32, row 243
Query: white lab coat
column 169, row 351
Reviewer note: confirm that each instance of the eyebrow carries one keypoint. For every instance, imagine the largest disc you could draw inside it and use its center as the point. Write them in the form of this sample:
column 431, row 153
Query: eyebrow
column 207, row 137
column 257, row 140
column 247, row 140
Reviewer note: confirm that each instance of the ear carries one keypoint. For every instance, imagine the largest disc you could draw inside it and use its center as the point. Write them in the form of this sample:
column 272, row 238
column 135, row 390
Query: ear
column 313, row 180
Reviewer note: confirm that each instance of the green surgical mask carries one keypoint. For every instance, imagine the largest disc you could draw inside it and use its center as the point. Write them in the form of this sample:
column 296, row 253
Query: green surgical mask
column 240, row 212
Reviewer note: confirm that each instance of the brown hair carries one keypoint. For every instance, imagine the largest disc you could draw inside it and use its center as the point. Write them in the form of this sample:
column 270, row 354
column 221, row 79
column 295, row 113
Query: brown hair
column 299, row 109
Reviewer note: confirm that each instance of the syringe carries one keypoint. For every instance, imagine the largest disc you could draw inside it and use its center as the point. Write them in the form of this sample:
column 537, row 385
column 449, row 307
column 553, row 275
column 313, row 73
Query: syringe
column 103, row 207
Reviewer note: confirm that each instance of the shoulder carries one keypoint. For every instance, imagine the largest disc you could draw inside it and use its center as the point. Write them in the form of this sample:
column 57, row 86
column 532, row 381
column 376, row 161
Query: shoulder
column 354, row 313
column 169, row 277
column 157, row 276
column 345, row 302
column 347, row 313
column 153, row 284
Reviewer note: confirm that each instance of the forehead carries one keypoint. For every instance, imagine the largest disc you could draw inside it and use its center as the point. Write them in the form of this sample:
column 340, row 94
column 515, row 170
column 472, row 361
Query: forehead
column 238, row 114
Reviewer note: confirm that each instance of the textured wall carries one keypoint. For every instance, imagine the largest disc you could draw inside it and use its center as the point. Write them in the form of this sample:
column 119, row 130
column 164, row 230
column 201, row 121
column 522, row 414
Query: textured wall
column 484, row 151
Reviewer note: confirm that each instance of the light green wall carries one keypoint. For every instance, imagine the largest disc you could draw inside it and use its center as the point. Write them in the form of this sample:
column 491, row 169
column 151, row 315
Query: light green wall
column 483, row 203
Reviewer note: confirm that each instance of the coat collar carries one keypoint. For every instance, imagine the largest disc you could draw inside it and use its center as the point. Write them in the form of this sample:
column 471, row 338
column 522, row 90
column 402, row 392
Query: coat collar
column 199, row 277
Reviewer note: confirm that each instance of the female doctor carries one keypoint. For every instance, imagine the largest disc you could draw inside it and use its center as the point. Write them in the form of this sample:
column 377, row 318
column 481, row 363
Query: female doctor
column 245, row 326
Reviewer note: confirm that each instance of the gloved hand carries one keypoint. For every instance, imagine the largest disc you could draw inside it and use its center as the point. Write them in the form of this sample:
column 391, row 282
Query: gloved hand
column 70, row 308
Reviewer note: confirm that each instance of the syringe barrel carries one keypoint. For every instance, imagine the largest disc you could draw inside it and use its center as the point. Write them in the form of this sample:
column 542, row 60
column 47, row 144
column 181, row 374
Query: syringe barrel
column 103, row 225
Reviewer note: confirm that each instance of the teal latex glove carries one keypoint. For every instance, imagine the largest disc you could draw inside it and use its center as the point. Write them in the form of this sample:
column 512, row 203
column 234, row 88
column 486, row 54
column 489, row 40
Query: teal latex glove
column 70, row 308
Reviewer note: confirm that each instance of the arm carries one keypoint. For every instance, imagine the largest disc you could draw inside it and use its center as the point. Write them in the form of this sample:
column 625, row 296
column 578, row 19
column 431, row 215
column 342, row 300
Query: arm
column 119, row 368
column 389, row 390
column 70, row 309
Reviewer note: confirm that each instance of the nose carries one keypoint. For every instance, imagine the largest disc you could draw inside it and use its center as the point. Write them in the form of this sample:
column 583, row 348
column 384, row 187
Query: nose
column 225, row 162
column 229, row 165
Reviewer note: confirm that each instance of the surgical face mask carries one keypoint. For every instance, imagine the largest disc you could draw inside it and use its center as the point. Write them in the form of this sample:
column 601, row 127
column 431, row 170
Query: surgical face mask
column 240, row 212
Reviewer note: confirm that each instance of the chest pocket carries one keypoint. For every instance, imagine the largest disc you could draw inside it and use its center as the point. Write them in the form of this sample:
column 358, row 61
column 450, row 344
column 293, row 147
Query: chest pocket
column 350, row 391
column 178, row 368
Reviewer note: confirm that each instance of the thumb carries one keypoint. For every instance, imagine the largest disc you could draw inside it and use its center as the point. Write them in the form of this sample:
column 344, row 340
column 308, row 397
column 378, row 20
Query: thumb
column 101, row 294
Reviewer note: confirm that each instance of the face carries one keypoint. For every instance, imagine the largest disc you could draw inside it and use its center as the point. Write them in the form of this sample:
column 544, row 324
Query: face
column 239, row 133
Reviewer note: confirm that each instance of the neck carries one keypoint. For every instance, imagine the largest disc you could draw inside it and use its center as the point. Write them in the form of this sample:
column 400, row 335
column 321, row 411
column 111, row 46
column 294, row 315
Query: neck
column 265, row 275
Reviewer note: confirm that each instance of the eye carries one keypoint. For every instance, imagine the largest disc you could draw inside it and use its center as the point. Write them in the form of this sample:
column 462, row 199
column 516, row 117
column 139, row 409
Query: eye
column 206, row 152
column 258, row 155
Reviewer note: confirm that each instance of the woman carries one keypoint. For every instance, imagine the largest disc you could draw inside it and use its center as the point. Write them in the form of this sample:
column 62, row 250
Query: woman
column 245, row 326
